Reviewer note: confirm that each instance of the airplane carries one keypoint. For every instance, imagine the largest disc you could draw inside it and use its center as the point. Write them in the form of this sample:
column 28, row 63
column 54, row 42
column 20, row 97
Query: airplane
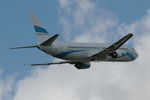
column 80, row 54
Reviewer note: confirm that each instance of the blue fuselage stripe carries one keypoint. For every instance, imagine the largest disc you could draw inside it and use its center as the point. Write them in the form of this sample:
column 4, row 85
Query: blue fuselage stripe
column 131, row 56
column 63, row 54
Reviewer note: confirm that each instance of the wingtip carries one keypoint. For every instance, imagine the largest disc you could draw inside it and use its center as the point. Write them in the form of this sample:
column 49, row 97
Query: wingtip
column 26, row 64
column 57, row 35
column 11, row 48
column 131, row 34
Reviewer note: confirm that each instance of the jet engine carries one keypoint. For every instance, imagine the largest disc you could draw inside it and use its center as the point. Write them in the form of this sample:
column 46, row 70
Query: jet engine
column 114, row 55
column 82, row 65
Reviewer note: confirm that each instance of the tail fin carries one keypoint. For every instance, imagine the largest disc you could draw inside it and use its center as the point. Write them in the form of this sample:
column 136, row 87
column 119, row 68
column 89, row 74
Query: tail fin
column 41, row 32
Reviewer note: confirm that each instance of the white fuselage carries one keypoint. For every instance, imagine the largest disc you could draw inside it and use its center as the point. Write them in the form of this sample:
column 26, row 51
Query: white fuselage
column 84, row 51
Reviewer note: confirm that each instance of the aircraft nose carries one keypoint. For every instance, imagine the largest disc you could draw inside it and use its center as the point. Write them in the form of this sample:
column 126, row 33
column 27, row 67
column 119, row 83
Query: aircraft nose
column 134, row 55
column 137, row 55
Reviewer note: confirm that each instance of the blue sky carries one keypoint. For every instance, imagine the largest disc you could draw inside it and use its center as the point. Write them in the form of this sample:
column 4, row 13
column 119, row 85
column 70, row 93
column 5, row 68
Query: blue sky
column 14, row 18
column 126, row 10
column 16, row 28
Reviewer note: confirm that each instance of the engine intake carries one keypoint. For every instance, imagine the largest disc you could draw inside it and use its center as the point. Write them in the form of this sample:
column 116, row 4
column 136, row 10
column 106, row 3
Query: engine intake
column 114, row 55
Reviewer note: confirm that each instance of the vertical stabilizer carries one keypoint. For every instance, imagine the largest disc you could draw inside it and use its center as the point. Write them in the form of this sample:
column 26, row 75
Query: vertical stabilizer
column 41, row 32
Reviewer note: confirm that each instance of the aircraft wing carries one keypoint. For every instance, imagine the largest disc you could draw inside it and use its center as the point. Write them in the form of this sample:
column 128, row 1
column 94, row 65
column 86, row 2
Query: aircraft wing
column 61, row 62
column 113, row 47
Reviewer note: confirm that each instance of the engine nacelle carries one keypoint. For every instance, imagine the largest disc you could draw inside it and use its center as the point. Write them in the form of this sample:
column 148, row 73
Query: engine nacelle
column 84, row 65
column 114, row 55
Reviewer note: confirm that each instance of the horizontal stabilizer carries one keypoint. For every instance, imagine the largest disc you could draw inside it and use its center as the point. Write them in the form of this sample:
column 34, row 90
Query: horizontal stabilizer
column 44, row 64
column 61, row 62
column 24, row 47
